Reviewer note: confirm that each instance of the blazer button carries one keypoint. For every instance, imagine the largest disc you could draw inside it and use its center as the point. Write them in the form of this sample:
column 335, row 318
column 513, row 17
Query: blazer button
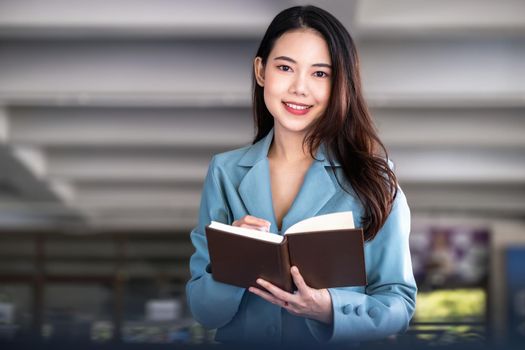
column 347, row 309
column 359, row 310
column 373, row 312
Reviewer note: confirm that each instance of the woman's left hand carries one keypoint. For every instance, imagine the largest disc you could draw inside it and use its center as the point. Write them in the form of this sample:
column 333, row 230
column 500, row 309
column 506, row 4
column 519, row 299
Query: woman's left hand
column 307, row 302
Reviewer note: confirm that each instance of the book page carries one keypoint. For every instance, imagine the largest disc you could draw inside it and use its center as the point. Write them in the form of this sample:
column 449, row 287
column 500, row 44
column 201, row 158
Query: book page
column 247, row 232
column 333, row 221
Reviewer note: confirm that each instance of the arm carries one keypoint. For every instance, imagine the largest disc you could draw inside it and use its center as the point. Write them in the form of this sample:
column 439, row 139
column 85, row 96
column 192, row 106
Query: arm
column 388, row 303
column 213, row 304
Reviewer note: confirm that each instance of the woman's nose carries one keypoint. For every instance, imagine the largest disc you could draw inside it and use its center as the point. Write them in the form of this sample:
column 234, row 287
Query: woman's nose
column 298, row 86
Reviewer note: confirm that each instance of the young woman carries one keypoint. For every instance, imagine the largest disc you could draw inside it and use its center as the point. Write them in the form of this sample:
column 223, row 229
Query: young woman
column 315, row 152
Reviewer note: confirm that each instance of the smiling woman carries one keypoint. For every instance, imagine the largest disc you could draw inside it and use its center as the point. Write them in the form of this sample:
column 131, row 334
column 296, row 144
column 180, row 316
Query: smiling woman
column 316, row 151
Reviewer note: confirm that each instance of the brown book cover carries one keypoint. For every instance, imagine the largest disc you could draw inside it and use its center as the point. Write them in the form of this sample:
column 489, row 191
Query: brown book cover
column 325, row 258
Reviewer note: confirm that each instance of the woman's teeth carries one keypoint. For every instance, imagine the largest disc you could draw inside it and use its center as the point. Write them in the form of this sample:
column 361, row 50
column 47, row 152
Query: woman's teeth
column 297, row 107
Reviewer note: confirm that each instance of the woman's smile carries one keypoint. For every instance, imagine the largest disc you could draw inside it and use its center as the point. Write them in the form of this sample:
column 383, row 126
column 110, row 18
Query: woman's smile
column 296, row 108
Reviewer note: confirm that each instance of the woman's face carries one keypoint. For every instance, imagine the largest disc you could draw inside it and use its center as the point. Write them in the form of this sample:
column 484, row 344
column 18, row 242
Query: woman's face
column 296, row 79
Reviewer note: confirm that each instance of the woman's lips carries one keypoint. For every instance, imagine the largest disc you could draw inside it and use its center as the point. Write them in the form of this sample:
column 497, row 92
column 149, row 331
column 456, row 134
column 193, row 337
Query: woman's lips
column 296, row 111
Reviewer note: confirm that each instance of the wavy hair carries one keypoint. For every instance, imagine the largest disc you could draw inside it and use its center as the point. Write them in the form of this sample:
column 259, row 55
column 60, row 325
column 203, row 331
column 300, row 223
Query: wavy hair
column 346, row 128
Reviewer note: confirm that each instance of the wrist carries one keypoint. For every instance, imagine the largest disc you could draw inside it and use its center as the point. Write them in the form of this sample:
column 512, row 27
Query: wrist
column 325, row 314
column 327, row 317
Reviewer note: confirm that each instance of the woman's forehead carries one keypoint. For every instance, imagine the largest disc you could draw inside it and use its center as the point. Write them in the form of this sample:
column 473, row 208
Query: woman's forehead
column 302, row 45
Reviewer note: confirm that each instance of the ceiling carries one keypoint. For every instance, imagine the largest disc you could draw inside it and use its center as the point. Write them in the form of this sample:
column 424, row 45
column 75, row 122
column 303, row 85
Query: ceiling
column 110, row 115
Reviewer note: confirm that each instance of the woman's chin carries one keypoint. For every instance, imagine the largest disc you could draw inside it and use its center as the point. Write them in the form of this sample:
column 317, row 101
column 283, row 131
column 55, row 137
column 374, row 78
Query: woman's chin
column 293, row 127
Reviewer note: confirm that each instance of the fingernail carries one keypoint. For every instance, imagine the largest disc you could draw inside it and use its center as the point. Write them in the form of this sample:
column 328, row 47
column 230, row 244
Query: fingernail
column 264, row 228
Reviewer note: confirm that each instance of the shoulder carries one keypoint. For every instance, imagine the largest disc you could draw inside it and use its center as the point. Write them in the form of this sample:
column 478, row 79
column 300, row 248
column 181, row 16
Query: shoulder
column 226, row 163
column 230, row 157
column 398, row 220
column 400, row 205
column 400, row 208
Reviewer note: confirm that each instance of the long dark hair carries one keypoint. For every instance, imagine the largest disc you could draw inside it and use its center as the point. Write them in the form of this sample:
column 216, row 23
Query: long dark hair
column 347, row 128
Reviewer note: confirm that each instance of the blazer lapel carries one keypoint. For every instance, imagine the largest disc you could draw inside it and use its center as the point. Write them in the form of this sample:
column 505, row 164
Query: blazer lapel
column 255, row 187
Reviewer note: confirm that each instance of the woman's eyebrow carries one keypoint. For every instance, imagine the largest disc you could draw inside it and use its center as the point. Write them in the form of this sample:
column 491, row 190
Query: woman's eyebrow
column 286, row 58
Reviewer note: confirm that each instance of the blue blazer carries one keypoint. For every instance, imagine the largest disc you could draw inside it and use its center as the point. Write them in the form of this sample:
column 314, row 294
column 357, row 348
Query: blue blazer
column 238, row 184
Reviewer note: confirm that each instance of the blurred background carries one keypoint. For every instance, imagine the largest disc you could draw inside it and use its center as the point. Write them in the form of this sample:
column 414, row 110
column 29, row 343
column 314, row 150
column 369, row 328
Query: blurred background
column 111, row 110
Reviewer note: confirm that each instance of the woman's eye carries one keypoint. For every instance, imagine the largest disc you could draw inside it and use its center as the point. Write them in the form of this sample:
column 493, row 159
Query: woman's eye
column 320, row 74
column 284, row 68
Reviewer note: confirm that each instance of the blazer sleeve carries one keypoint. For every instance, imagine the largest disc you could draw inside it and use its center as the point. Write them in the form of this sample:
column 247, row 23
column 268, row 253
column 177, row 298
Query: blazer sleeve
column 212, row 304
column 389, row 300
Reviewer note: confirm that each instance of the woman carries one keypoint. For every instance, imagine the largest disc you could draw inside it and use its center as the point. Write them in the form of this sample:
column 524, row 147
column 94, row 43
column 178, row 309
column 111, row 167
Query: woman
column 316, row 151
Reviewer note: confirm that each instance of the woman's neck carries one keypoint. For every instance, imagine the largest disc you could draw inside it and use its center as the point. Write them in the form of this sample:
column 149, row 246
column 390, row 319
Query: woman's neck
column 288, row 147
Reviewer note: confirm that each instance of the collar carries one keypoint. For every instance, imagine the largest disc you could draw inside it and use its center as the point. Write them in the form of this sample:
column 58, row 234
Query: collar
column 259, row 151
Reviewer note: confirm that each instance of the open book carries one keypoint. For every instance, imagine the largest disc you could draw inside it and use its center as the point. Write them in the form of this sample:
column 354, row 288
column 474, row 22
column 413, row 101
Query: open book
column 327, row 250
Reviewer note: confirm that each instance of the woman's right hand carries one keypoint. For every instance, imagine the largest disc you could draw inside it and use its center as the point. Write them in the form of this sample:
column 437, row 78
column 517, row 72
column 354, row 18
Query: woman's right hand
column 252, row 222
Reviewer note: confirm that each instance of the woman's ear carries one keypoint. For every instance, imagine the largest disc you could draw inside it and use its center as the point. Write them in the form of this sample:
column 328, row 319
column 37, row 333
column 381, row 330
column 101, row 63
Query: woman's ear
column 259, row 71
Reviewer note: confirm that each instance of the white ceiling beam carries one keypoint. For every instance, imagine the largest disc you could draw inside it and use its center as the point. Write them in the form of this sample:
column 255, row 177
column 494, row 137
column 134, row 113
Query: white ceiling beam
column 470, row 70
column 33, row 158
column 130, row 68
column 63, row 189
column 154, row 18
column 24, row 180
column 146, row 198
column 500, row 200
column 138, row 98
column 103, row 127
column 409, row 18
column 11, row 203
column 449, row 127
column 174, row 221
column 4, row 125
column 443, row 99
column 459, row 165
column 127, row 167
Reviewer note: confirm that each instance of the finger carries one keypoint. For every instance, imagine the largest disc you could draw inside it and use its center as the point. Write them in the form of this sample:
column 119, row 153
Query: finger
column 258, row 228
column 252, row 222
column 256, row 221
column 268, row 297
column 276, row 291
column 298, row 279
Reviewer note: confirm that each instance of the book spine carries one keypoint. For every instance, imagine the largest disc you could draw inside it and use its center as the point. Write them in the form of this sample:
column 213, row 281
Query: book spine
column 286, row 265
